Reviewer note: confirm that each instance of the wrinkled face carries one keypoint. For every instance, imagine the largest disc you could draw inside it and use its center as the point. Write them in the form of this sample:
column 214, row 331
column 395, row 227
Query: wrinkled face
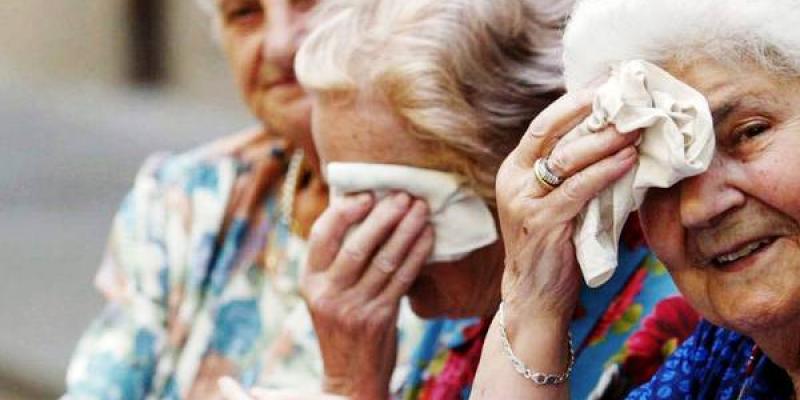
column 734, row 249
column 365, row 130
column 260, row 39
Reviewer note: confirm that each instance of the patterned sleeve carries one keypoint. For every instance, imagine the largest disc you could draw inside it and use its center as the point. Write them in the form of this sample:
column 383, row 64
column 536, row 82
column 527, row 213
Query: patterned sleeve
column 116, row 357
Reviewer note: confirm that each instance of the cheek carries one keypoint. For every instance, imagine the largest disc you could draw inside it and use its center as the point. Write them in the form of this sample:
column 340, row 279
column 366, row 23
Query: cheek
column 243, row 56
column 662, row 230
column 774, row 181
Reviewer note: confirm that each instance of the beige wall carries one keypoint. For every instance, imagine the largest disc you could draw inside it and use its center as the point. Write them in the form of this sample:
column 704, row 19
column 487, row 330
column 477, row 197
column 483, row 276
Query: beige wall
column 84, row 41
column 65, row 39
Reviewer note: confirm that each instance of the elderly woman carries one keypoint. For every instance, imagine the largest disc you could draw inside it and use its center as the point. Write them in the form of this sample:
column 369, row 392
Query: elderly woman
column 408, row 93
column 729, row 235
column 202, row 264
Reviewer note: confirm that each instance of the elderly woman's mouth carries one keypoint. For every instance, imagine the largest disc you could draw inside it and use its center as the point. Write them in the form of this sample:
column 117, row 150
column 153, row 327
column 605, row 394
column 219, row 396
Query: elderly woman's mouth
column 738, row 254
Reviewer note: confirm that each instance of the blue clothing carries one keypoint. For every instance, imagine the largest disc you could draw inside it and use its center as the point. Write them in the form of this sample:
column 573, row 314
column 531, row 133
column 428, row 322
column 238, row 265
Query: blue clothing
column 712, row 364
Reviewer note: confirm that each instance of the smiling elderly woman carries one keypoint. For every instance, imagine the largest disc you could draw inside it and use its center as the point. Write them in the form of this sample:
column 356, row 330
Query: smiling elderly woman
column 729, row 236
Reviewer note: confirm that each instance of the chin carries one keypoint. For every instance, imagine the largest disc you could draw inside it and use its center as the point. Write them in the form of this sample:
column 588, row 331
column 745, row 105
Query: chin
column 286, row 113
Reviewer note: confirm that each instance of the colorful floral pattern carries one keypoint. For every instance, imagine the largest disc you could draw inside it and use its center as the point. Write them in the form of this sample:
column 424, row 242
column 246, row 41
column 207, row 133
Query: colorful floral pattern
column 444, row 364
column 189, row 298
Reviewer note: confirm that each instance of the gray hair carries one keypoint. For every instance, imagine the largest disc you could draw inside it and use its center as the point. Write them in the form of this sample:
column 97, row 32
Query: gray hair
column 601, row 33
column 467, row 76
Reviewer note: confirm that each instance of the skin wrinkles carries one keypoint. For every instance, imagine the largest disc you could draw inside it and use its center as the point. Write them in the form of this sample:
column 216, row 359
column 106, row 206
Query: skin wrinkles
column 747, row 194
column 260, row 39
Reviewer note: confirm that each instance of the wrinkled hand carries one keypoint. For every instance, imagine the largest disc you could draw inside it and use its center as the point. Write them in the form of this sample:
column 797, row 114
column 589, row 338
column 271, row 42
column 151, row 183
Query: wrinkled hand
column 542, row 278
column 353, row 285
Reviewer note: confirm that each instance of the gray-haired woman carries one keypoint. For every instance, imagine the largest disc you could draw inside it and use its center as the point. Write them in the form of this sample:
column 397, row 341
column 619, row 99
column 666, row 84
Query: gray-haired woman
column 201, row 267
column 728, row 234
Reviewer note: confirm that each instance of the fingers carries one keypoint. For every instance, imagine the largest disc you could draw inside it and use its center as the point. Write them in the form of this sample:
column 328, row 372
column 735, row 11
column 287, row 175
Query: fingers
column 267, row 394
column 392, row 254
column 329, row 230
column 412, row 265
column 571, row 156
column 231, row 390
column 357, row 250
column 571, row 197
column 551, row 124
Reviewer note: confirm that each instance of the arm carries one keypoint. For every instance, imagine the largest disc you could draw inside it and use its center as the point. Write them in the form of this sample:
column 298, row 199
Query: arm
column 541, row 280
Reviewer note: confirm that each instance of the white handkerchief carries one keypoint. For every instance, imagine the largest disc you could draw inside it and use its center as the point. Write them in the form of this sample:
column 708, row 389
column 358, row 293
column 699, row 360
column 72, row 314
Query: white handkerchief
column 677, row 142
column 461, row 220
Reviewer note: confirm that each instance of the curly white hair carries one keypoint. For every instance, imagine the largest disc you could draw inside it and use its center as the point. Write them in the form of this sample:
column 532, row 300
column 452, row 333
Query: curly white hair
column 601, row 33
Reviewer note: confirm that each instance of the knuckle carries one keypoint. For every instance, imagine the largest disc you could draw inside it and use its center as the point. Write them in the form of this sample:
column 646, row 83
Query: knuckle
column 384, row 263
column 353, row 254
column 559, row 162
column 572, row 187
column 323, row 305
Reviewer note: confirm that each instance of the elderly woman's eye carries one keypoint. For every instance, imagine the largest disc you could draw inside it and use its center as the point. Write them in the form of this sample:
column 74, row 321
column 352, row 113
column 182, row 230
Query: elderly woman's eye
column 242, row 12
column 750, row 130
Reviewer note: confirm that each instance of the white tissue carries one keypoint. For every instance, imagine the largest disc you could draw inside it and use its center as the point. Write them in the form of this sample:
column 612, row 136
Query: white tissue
column 461, row 220
column 677, row 142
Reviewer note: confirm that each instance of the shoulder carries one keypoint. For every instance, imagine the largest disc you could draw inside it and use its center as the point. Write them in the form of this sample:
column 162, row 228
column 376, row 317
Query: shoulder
column 207, row 172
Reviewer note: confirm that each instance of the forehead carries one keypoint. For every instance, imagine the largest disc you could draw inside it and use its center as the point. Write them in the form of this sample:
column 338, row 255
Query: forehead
column 364, row 129
column 723, row 84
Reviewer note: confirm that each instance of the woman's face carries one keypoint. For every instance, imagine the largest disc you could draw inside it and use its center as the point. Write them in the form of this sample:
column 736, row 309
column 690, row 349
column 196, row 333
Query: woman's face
column 260, row 39
column 365, row 130
column 734, row 249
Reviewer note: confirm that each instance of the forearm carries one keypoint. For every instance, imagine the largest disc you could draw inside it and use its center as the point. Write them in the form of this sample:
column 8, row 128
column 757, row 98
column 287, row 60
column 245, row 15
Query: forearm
column 540, row 344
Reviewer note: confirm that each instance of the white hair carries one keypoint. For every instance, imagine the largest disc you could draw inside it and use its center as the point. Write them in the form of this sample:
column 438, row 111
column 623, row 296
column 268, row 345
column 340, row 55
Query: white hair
column 464, row 75
column 601, row 33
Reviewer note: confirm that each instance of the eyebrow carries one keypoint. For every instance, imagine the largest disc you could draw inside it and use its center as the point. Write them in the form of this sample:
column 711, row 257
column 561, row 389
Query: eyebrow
column 721, row 113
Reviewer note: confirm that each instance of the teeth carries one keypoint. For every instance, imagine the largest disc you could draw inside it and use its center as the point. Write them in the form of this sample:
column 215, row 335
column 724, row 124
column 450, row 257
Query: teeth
column 745, row 251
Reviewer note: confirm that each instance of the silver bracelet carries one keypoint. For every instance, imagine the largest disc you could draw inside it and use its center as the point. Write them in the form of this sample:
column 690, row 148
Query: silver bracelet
column 536, row 377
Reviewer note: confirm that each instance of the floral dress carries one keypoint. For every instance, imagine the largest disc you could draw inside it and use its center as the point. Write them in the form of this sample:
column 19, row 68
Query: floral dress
column 622, row 332
column 201, row 279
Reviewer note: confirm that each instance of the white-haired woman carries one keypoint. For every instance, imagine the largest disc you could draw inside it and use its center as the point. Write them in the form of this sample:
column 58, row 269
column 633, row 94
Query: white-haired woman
column 434, row 89
column 202, row 263
column 728, row 234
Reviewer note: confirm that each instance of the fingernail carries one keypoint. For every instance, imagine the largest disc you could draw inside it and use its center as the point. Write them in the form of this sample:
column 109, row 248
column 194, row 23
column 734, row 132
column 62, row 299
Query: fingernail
column 401, row 198
column 364, row 198
column 231, row 389
column 421, row 206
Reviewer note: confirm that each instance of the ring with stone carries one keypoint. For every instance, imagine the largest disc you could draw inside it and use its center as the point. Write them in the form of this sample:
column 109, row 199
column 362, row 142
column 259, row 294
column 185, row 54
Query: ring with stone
column 544, row 175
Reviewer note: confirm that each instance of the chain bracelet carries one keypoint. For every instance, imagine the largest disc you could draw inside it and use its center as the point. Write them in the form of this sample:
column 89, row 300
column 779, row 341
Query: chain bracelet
column 535, row 377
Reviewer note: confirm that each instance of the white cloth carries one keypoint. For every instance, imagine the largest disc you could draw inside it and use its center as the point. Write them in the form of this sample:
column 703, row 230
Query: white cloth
column 461, row 220
column 677, row 142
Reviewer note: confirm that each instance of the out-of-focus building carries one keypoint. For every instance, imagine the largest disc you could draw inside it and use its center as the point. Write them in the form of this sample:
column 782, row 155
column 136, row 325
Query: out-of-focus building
column 87, row 90
column 79, row 41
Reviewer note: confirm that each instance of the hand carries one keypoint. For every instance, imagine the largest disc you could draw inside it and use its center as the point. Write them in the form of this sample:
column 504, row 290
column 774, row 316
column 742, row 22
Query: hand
column 231, row 390
column 353, row 287
column 542, row 278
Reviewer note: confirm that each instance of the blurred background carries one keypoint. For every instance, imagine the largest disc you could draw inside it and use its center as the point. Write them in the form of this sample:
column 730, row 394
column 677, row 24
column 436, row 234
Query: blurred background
column 87, row 90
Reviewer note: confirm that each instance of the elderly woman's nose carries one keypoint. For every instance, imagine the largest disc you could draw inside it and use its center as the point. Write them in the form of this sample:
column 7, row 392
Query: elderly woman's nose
column 282, row 33
column 706, row 197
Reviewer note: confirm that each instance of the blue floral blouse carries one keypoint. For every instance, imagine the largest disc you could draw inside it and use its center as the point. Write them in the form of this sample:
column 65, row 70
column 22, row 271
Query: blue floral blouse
column 201, row 279
column 713, row 364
